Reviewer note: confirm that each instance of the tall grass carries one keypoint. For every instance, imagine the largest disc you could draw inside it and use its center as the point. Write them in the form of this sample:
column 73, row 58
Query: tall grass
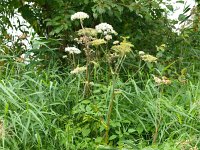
column 47, row 110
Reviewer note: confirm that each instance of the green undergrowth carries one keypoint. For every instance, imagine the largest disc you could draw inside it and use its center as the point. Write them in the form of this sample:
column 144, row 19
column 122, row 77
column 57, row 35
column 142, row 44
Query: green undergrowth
column 47, row 110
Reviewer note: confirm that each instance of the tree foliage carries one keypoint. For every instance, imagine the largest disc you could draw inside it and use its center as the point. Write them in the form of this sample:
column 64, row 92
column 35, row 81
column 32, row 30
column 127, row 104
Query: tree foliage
column 144, row 21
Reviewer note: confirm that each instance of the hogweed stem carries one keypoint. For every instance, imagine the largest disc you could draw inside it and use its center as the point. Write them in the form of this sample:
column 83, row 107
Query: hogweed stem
column 110, row 110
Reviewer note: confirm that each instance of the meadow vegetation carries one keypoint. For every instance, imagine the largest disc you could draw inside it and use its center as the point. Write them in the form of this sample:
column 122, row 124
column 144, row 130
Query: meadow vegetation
column 100, row 75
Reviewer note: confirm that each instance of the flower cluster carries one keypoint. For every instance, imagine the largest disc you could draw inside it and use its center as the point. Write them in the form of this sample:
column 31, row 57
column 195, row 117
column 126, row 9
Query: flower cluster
column 97, row 42
column 112, row 58
column 148, row 58
column 105, row 29
column 72, row 50
column 141, row 53
column 86, row 35
column 163, row 80
column 83, row 39
column 123, row 48
column 87, row 32
column 79, row 15
column 26, row 58
column 78, row 70
column 108, row 37
column 115, row 42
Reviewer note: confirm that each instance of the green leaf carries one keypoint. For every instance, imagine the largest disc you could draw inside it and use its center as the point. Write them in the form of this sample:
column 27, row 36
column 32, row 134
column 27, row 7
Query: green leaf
column 182, row 17
column 182, row 2
column 170, row 7
column 105, row 147
column 115, row 124
column 86, row 132
column 98, row 140
column 85, row 101
column 140, row 129
column 86, row 1
column 131, row 130
column 113, row 137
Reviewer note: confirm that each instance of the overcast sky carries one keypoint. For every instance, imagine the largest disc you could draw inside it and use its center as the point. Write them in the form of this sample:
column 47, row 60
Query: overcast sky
column 180, row 7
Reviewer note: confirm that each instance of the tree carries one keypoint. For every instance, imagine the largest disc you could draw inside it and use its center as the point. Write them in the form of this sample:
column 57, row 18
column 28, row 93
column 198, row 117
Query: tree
column 144, row 21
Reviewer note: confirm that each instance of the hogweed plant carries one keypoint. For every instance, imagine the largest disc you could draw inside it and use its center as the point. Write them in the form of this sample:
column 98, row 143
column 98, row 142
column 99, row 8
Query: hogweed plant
column 72, row 51
column 102, row 48
column 88, row 38
column 119, row 51
column 99, row 48
column 160, row 83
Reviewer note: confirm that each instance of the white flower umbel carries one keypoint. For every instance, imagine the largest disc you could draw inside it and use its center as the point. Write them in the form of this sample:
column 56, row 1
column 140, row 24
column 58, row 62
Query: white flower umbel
column 79, row 15
column 108, row 37
column 78, row 70
column 72, row 50
column 23, row 56
column 25, row 59
column 141, row 53
column 105, row 28
column 116, row 42
column 32, row 54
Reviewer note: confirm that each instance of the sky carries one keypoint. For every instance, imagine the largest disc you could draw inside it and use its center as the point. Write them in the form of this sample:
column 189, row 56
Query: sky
column 179, row 7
